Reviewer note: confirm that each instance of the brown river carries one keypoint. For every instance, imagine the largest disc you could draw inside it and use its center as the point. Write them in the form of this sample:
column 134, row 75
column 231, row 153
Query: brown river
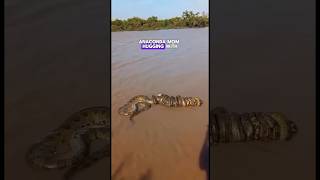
column 162, row 143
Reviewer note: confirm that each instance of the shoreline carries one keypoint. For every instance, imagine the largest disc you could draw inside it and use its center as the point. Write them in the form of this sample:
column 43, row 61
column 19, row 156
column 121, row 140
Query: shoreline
column 136, row 30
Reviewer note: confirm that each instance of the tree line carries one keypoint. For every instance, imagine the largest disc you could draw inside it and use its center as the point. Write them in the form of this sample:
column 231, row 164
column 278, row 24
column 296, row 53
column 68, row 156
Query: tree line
column 188, row 19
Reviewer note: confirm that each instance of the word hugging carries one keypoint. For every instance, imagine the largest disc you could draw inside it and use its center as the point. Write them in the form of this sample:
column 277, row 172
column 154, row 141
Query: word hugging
column 141, row 103
column 158, row 44
column 228, row 127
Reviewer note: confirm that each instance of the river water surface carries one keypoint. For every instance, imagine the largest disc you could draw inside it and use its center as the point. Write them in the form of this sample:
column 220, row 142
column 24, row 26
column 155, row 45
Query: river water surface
column 163, row 143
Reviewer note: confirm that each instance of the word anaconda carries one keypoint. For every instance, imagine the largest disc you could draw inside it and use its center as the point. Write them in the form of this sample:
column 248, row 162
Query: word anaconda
column 141, row 103
column 69, row 146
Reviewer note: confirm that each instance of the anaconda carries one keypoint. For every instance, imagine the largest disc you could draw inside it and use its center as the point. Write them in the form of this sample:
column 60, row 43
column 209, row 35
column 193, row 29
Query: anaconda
column 68, row 146
column 226, row 127
column 141, row 103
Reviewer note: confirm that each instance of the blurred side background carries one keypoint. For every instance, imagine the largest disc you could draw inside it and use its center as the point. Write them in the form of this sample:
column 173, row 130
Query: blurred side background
column 263, row 59
column 56, row 63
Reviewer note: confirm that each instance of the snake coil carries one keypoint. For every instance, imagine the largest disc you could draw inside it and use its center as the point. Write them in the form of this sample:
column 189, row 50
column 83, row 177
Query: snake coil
column 228, row 127
column 141, row 103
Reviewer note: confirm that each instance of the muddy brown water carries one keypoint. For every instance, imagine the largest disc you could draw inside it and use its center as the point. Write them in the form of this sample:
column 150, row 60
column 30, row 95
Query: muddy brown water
column 164, row 143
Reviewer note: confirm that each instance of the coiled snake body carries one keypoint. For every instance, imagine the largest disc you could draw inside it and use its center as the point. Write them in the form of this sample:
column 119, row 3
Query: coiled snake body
column 232, row 127
column 69, row 146
column 141, row 103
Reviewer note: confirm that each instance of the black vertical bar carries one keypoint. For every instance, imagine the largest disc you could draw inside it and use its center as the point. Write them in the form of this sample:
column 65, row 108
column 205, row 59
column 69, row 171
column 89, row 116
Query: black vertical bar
column 108, row 73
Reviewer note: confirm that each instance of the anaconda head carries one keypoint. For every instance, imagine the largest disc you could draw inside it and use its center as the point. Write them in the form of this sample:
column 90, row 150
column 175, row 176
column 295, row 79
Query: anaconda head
column 127, row 109
column 288, row 129
column 54, row 152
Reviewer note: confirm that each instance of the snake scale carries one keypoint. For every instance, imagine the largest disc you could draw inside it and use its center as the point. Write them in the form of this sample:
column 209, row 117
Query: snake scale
column 69, row 145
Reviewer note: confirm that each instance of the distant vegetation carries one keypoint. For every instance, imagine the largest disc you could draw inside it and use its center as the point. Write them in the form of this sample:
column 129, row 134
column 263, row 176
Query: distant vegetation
column 188, row 19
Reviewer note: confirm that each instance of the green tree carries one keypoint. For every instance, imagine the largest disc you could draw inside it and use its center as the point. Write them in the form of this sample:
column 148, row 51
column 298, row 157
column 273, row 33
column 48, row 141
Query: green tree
column 135, row 23
column 188, row 19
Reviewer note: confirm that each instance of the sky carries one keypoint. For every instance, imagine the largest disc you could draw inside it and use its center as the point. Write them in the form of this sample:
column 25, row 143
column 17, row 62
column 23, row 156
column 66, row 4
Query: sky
column 123, row 9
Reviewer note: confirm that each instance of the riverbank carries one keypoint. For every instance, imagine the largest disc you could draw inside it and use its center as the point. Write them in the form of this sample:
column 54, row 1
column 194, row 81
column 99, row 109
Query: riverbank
column 168, row 28
column 188, row 19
